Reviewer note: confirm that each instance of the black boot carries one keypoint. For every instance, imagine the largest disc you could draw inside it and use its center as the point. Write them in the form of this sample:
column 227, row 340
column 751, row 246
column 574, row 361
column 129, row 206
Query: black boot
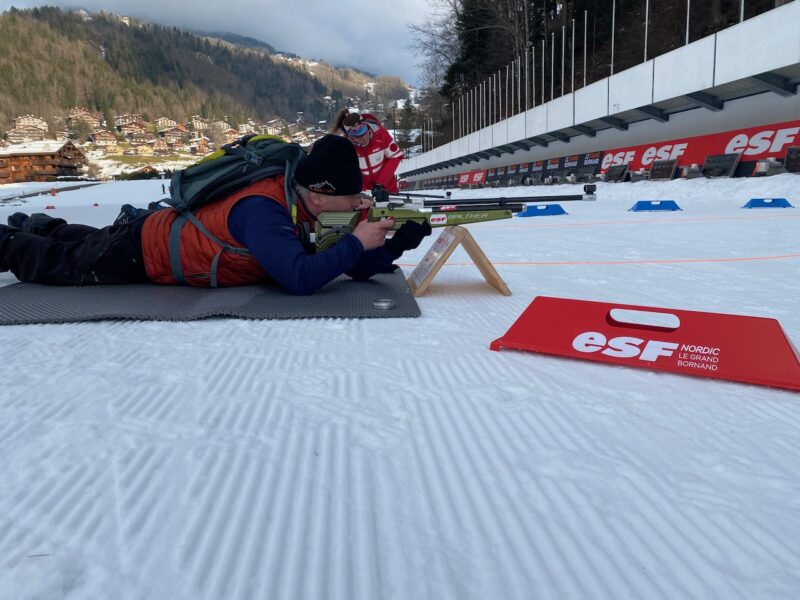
column 5, row 231
column 17, row 220
column 41, row 224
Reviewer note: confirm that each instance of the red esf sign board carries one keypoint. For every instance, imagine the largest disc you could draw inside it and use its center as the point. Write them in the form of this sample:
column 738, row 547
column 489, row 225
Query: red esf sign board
column 472, row 177
column 754, row 143
column 733, row 347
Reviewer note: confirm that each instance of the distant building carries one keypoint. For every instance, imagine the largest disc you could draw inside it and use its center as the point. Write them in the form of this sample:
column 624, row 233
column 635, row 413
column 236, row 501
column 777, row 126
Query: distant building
column 127, row 119
column 131, row 129
column 165, row 123
column 275, row 126
column 230, row 135
column 103, row 138
column 199, row 147
column 198, row 123
column 173, row 135
column 27, row 128
column 245, row 128
column 30, row 121
column 141, row 136
column 80, row 114
column 20, row 136
column 160, row 146
column 40, row 161
column 220, row 125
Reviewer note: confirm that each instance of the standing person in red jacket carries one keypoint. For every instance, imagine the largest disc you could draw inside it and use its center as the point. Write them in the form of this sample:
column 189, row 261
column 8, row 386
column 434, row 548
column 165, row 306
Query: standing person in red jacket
column 378, row 154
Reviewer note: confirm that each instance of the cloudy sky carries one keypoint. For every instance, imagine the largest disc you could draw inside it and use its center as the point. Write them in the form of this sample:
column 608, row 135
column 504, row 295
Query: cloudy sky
column 369, row 34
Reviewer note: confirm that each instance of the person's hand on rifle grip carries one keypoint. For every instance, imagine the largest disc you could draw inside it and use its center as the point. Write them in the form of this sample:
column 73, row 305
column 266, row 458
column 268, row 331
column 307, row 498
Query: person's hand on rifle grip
column 408, row 237
column 365, row 203
column 373, row 234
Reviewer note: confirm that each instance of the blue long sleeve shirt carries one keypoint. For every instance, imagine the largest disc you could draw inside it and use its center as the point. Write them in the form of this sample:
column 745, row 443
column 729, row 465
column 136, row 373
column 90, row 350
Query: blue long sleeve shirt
column 266, row 229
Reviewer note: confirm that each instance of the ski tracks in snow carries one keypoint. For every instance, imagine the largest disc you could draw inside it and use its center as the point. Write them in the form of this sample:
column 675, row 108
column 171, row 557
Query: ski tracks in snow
column 400, row 458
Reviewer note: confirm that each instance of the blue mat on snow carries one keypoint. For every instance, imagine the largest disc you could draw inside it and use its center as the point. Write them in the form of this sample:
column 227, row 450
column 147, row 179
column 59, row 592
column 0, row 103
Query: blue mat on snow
column 653, row 205
column 768, row 203
column 542, row 210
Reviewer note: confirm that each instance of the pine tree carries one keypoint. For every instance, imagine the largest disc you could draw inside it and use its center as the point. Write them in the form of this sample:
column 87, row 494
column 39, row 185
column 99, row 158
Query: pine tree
column 404, row 137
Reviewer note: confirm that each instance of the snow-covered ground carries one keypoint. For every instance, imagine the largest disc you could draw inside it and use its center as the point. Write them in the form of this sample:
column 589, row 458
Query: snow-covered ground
column 401, row 458
column 110, row 166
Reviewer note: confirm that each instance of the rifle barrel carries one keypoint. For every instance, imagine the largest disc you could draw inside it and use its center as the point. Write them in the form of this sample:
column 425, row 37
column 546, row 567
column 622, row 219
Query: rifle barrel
column 514, row 208
column 415, row 195
column 503, row 201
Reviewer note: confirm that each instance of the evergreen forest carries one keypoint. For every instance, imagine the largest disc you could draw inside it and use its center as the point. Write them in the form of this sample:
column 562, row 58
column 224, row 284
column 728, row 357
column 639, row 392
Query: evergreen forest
column 52, row 60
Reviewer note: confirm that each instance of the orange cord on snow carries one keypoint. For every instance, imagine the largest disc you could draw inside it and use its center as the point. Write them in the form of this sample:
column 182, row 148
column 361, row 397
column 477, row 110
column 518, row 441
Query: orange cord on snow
column 529, row 263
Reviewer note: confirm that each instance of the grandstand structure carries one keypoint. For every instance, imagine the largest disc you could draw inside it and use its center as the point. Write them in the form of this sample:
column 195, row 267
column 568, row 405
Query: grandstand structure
column 742, row 81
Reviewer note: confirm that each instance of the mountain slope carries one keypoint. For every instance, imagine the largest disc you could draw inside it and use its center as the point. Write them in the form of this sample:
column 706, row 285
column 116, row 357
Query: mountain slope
column 56, row 59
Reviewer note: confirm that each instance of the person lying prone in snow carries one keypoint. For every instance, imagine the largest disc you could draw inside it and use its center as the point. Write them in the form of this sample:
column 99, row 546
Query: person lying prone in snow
column 42, row 249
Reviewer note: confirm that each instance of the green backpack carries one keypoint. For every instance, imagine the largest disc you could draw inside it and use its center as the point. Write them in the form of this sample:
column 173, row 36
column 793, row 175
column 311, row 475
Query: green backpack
column 232, row 167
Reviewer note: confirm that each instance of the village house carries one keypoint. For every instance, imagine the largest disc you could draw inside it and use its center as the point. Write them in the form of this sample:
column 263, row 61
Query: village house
column 103, row 138
column 165, row 123
column 275, row 126
column 200, row 147
column 220, row 125
column 126, row 119
column 245, row 128
column 19, row 136
column 81, row 114
column 197, row 123
column 145, row 150
column 30, row 121
column 160, row 146
column 40, row 161
column 131, row 128
column 141, row 137
column 174, row 134
column 27, row 128
column 230, row 135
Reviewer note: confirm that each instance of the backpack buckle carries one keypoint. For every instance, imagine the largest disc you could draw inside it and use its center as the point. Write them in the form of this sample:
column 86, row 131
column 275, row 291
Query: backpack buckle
column 253, row 158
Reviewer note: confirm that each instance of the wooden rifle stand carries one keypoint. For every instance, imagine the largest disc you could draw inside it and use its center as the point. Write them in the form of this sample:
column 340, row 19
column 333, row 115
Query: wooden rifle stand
column 442, row 248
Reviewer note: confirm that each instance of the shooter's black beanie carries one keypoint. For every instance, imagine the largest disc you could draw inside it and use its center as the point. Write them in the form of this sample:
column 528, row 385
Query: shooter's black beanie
column 330, row 168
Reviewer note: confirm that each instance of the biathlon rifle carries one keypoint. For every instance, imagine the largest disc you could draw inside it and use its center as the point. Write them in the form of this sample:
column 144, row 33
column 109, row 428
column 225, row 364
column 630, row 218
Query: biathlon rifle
column 331, row 226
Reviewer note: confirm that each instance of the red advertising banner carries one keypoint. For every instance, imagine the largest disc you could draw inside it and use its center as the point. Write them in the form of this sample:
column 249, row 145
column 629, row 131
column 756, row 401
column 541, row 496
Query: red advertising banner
column 477, row 176
column 471, row 177
column 754, row 143
column 722, row 346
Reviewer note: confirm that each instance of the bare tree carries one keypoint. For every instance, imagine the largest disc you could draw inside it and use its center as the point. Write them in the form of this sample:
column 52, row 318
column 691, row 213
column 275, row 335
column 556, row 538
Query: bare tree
column 436, row 41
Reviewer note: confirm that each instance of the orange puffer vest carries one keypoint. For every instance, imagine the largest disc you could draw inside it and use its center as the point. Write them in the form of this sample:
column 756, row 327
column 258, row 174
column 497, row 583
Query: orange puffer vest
column 197, row 252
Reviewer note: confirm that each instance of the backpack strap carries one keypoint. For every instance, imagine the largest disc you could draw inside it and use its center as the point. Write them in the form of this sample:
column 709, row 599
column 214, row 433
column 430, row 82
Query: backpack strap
column 289, row 190
column 175, row 247
column 176, row 196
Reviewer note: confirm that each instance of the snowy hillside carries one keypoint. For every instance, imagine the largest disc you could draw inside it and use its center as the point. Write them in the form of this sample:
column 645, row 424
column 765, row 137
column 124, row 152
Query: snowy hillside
column 401, row 458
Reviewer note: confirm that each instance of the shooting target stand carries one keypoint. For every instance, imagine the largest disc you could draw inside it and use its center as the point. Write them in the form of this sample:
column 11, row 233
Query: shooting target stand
column 450, row 238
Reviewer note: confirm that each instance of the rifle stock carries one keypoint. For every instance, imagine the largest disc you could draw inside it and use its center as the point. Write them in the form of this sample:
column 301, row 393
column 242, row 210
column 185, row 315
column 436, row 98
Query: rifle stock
column 331, row 226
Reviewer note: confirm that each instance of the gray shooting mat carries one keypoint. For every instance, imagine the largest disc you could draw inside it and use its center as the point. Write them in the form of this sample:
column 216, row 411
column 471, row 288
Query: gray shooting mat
column 25, row 303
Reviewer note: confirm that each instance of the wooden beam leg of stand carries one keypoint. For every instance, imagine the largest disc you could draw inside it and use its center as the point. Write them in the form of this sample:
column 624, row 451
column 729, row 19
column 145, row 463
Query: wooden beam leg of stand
column 434, row 258
column 442, row 248
column 482, row 262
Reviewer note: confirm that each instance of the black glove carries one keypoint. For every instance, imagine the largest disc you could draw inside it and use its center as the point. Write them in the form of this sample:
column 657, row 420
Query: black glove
column 379, row 194
column 408, row 237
